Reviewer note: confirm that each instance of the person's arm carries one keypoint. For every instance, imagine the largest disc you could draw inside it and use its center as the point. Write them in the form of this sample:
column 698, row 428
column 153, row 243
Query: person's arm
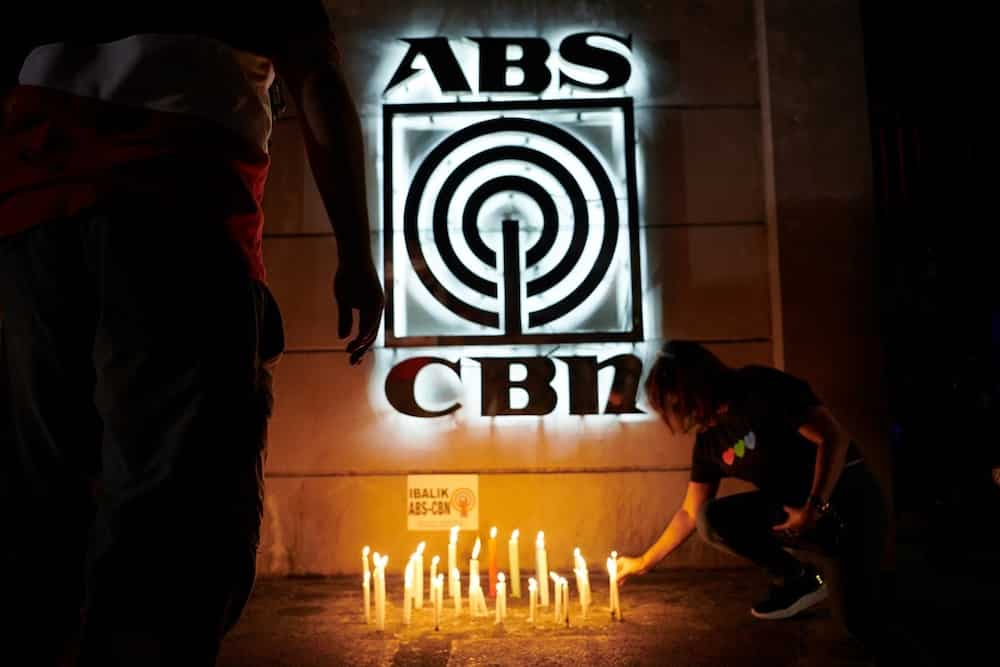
column 332, row 130
column 681, row 526
column 832, row 442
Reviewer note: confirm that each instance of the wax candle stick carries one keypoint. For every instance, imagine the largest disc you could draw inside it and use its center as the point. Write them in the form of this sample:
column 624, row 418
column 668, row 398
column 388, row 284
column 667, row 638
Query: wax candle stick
column 434, row 567
column 367, row 596
column 542, row 569
column 501, row 596
column 532, row 599
column 557, row 598
column 452, row 559
column 366, row 583
column 491, row 552
column 456, row 587
column 514, row 562
column 613, row 579
column 418, row 574
column 437, row 594
column 408, row 592
column 564, row 585
column 380, row 563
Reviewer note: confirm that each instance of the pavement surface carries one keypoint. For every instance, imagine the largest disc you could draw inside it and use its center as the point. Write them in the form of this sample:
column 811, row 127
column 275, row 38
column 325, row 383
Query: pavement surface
column 679, row 617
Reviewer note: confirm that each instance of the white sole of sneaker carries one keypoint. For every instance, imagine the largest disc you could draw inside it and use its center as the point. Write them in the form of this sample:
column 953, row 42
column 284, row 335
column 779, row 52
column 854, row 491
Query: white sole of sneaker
column 801, row 605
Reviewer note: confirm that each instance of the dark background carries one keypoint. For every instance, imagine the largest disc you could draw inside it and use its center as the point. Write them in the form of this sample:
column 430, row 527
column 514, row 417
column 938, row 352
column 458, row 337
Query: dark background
column 940, row 313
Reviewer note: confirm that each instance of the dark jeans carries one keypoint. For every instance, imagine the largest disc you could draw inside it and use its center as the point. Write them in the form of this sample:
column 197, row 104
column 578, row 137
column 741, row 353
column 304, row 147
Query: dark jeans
column 135, row 395
column 853, row 541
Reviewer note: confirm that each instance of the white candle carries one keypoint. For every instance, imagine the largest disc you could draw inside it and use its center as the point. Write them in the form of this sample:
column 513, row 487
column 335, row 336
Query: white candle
column 532, row 599
column 434, row 567
column 613, row 579
column 501, row 597
column 368, row 596
column 514, row 559
column 557, row 595
column 475, row 589
column 452, row 559
column 542, row 569
column 418, row 586
column 456, row 587
column 582, row 581
column 380, row 563
column 367, row 579
column 565, row 599
column 437, row 585
column 408, row 591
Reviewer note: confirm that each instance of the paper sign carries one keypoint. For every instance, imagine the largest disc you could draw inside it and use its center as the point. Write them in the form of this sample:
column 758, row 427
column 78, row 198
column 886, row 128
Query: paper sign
column 438, row 502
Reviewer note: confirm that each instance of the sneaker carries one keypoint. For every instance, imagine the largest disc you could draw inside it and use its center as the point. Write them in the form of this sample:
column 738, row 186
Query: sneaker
column 794, row 596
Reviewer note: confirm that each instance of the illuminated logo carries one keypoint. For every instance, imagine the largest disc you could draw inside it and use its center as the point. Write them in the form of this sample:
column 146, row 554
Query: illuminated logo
column 513, row 222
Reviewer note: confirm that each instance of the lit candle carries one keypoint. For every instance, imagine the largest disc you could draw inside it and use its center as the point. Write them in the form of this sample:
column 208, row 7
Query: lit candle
column 456, row 580
column 565, row 599
column 368, row 596
column 613, row 578
column 582, row 581
column 434, row 567
column 501, row 597
column 492, row 555
column 408, row 591
column 452, row 559
column 367, row 579
column 542, row 569
column 475, row 589
column 532, row 599
column 515, row 564
column 380, row 563
column 437, row 593
column 557, row 595
column 418, row 587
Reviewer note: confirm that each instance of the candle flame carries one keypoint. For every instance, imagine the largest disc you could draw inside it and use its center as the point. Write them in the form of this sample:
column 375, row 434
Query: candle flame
column 455, row 573
column 555, row 577
column 515, row 535
column 385, row 561
column 435, row 560
column 420, row 548
column 475, row 549
column 540, row 540
column 576, row 552
column 614, row 554
column 440, row 579
column 532, row 584
column 365, row 551
column 454, row 534
column 501, row 577
column 376, row 558
column 493, row 533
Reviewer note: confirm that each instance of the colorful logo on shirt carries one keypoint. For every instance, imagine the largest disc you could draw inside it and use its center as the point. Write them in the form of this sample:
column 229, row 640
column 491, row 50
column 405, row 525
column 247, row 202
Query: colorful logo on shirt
column 739, row 450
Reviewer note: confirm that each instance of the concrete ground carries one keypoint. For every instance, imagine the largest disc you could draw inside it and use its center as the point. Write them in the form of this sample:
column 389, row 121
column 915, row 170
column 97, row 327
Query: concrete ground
column 679, row 617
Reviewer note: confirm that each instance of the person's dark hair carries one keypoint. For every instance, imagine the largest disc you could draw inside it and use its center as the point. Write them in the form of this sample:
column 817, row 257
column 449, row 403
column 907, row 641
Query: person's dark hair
column 689, row 380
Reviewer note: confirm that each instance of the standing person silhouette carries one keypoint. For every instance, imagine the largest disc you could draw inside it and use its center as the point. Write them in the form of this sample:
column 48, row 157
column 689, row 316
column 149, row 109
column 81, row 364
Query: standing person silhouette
column 138, row 331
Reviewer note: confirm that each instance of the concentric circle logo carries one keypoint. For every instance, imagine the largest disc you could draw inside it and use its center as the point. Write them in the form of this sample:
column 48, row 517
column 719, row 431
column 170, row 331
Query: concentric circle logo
column 511, row 225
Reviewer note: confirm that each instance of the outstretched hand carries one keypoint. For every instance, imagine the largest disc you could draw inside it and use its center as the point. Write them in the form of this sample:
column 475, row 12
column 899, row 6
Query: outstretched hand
column 357, row 287
column 628, row 567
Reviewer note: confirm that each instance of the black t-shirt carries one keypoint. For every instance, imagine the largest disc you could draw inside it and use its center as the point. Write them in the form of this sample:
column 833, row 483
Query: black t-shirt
column 757, row 440
column 255, row 26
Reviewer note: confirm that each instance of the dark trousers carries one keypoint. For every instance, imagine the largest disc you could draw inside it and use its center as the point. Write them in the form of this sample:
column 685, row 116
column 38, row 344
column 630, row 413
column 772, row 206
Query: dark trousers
column 853, row 541
column 135, row 397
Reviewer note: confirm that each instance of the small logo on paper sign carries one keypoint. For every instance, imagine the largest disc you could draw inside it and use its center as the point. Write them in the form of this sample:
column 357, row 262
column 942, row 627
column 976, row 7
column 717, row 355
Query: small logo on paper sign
column 463, row 500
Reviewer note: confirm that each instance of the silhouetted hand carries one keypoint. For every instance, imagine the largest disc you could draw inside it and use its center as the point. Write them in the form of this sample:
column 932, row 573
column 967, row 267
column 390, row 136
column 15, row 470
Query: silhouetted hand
column 628, row 567
column 357, row 287
column 799, row 520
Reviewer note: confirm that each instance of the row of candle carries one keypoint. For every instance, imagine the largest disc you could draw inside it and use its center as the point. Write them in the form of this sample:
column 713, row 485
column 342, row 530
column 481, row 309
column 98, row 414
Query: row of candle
column 539, row 592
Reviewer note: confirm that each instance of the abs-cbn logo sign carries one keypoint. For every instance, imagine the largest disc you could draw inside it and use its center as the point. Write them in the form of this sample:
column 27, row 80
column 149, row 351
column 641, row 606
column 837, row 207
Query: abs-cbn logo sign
column 513, row 222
